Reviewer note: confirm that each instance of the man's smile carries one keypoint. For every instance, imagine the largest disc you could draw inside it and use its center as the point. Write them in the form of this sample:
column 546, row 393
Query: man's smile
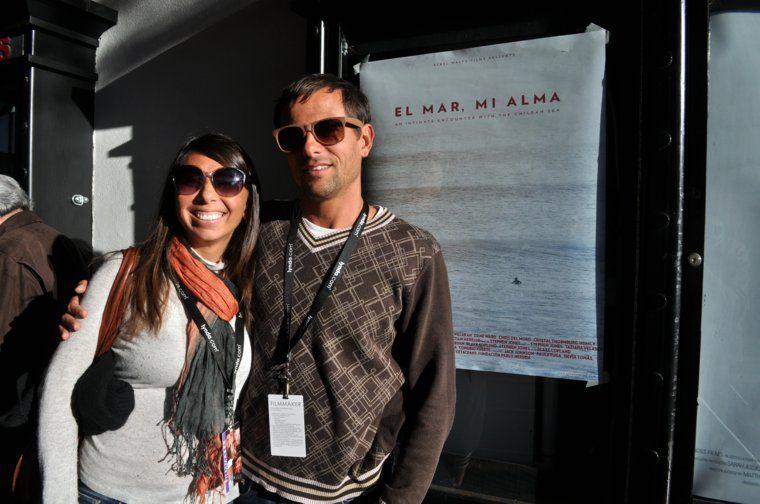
column 317, row 167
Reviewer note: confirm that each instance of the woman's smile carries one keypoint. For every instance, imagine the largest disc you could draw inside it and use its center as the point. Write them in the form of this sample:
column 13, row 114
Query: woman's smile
column 207, row 216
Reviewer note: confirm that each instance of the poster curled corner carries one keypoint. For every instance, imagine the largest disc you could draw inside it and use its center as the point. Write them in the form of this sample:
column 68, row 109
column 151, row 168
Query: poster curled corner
column 595, row 27
column 604, row 378
column 358, row 66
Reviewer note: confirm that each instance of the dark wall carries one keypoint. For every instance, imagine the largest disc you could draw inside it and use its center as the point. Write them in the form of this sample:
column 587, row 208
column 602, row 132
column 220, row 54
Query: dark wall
column 225, row 78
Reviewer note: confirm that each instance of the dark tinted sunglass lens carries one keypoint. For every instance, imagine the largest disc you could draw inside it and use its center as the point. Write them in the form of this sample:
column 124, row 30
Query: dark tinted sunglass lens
column 329, row 131
column 290, row 138
column 228, row 181
column 187, row 179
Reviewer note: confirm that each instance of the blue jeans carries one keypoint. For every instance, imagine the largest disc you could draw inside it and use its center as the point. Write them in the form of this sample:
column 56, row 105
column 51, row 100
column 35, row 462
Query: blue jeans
column 89, row 496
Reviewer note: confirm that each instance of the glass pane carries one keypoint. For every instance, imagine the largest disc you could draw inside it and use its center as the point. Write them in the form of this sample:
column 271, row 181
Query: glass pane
column 520, row 439
column 523, row 236
column 728, row 430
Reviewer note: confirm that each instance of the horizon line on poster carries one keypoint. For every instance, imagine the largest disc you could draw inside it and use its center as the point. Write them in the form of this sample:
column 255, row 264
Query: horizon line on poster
column 485, row 103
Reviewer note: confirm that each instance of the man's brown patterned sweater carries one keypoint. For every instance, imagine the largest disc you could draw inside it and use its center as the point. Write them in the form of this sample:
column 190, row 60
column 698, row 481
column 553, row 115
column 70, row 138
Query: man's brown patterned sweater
column 376, row 366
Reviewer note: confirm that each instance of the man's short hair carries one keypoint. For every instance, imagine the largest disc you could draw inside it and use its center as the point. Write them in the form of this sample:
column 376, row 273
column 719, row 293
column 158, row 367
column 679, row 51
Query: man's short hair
column 354, row 101
column 12, row 197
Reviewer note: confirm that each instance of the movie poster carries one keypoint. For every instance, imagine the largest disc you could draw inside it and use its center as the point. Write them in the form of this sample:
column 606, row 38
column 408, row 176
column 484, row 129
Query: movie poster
column 496, row 151
column 727, row 444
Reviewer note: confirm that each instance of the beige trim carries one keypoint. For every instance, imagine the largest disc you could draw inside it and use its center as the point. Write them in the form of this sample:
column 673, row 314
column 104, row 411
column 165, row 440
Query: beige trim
column 316, row 244
column 276, row 478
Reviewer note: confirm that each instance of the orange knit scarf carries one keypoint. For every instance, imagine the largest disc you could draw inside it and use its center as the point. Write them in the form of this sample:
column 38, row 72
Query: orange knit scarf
column 205, row 285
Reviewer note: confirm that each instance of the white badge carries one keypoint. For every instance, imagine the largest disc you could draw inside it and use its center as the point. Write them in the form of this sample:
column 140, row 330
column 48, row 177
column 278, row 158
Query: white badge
column 287, row 431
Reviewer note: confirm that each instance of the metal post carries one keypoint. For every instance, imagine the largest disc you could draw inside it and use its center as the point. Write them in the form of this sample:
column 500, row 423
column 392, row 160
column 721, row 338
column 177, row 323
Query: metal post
column 322, row 35
column 29, row 127
column 673, row 132
column 677, row 254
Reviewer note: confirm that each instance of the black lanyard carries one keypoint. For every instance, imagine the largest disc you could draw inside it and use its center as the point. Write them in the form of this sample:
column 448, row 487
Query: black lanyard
column 286, row 343
column 190, row 302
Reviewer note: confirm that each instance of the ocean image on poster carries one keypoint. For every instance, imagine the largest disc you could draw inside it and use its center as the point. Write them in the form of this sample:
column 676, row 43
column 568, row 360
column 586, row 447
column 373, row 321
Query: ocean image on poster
column 496, row 151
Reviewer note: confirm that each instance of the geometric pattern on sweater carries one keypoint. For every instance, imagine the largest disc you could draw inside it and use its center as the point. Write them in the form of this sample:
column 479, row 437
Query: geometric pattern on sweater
column 344, row 366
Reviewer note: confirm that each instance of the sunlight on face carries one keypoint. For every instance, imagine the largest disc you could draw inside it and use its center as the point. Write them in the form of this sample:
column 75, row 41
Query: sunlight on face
column 209, row 220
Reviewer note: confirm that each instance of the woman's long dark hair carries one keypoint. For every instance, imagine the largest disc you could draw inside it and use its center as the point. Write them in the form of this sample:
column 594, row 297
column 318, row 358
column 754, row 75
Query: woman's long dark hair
column 150, row 279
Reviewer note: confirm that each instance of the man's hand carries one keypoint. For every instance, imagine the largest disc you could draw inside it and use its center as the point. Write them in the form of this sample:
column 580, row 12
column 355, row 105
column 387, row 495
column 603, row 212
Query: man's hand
column 69, row 322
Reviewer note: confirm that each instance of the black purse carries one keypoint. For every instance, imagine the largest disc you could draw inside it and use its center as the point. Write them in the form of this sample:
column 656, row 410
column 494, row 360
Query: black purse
column 100, row 401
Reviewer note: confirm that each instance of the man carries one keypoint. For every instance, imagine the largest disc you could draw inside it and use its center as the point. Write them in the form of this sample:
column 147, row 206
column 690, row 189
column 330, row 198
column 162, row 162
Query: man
column 352, row 341
column 377, row 365
column 36, row 265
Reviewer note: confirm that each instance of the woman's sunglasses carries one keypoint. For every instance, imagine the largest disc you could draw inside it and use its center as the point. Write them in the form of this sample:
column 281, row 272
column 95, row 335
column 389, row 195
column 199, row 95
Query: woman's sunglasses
column 227, row 181
column 327, row 131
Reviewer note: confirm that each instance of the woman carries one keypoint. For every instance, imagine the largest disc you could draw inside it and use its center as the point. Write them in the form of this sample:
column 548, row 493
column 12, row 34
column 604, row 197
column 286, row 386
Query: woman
column 186, row 381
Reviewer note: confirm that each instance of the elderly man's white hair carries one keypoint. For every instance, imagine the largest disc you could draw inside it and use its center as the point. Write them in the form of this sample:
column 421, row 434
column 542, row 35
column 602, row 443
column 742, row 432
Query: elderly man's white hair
column 12, row 196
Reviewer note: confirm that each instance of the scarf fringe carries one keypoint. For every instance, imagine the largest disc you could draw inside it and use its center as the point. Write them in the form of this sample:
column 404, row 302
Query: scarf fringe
column 197, row 414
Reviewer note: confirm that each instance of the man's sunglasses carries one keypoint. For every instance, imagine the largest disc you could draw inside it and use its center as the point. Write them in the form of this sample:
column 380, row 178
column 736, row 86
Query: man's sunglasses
column 227, row 181
column 327, row 131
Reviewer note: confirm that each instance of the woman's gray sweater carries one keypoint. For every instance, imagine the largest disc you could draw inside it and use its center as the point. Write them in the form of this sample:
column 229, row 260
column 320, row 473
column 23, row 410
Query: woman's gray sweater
column 129, row 464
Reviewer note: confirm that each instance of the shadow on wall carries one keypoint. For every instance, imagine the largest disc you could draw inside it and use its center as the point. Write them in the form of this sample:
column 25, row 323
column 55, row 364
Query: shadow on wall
column 226, row 78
